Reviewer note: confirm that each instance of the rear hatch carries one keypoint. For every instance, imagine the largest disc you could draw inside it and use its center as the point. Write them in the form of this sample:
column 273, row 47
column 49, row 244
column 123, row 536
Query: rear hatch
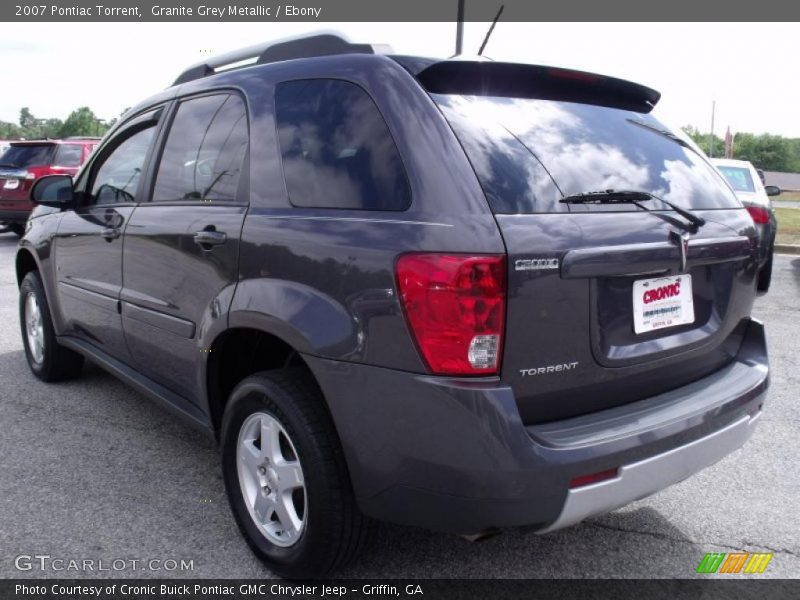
column 20, row 164
column 607, row 303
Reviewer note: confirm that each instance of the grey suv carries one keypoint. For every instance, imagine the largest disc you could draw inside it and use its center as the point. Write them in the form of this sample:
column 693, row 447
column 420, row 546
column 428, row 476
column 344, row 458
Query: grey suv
column 460, row 295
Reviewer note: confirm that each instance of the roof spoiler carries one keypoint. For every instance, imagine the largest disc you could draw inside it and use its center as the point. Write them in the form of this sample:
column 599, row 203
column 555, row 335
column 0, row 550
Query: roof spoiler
column 515, row 80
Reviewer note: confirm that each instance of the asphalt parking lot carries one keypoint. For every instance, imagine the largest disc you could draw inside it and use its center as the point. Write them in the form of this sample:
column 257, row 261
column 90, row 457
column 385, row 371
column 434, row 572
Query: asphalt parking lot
column 91, row 469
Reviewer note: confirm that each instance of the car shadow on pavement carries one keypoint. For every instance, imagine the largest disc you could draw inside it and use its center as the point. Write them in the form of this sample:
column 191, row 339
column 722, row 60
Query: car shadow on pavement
column 110, row 451
column 637, row 542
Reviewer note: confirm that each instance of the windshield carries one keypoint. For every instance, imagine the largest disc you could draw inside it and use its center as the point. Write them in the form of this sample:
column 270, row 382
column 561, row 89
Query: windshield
column 739, row 178
column 27, row 155
column 530, row 153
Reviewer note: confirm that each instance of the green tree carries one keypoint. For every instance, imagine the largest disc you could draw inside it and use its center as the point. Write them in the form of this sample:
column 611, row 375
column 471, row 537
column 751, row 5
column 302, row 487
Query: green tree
column 51, row 128
column 26, row 118
column 10, row 131
column 82, row 121
column 765, row 151
column 794, row 154
column 703, row 140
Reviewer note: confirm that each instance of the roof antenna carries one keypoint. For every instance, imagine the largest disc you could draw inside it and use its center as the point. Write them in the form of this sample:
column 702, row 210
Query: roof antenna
column 460, row 27
column 491, row 29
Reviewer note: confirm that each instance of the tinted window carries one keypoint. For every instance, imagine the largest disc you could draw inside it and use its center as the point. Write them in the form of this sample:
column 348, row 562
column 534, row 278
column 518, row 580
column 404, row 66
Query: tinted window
column 336, row 148
column 117, row 177
column 69, row 155
column 27, row 155
column 527, row 153
column 204, row 152
column 739, row 178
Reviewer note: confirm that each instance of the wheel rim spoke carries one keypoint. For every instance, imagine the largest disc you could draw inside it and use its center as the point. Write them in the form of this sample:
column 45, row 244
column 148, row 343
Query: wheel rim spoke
column 287, row 516
column 264, row 507
column 290, row 475
column 250, row 456
column 270, row 439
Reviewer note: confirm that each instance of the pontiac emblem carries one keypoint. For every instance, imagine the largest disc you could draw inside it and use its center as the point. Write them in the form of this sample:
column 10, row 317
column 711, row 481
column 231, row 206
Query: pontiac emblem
column 682, row 241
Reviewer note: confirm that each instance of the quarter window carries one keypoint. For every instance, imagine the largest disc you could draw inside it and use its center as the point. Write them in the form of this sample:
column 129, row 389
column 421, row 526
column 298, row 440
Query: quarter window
column 205, row 150
column 69, row 155
column 336, row 148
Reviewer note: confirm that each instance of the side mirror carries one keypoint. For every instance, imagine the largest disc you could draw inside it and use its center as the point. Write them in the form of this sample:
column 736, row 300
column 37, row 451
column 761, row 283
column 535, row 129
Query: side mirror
column 772, row 190
column 53, row 190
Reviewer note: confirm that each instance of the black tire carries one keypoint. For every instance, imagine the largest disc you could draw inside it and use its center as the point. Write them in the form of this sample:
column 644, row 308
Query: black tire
column 57, row 363
column 17, row 229
column 765, row 275
column 334, row 530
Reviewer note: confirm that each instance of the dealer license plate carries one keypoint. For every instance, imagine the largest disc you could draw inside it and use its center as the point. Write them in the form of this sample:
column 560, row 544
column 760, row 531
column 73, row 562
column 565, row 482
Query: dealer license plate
column 662, row 302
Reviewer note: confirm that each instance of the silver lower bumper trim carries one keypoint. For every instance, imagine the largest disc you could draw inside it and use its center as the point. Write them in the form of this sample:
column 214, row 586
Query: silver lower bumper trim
column 641, row 479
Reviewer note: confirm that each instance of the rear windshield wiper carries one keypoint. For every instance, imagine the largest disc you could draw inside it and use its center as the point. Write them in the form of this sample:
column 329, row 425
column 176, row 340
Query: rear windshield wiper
column 629, row 197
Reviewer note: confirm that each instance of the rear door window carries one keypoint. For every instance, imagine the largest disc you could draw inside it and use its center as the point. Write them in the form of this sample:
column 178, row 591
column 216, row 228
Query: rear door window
column 205, row 150
column 336, row 148
column 530, row 153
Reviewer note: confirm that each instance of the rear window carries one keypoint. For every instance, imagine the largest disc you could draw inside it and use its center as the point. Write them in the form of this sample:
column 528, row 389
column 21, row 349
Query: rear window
column 530, row 153
column 739, row 178
column 27, row 155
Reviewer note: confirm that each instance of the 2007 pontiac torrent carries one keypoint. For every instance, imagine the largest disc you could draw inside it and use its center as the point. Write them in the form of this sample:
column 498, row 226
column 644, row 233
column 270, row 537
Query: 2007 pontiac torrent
column 461, row 295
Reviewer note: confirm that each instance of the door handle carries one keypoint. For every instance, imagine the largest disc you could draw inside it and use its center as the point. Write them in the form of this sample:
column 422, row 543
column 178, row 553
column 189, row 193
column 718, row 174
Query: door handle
column 111, row 233
column 207, row 238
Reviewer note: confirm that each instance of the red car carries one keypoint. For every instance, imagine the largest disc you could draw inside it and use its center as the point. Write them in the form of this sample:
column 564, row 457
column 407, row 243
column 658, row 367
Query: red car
column 24, row 162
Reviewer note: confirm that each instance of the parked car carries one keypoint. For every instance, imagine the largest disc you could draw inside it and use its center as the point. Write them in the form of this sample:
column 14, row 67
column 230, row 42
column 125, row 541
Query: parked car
column 459, row 295
column 743, row 177
column 22, row 163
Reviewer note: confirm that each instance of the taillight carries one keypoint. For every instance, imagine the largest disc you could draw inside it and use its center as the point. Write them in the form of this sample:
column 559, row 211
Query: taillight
column 759, row 213
column 38, row 171
column 455, row 307
column 574, row 75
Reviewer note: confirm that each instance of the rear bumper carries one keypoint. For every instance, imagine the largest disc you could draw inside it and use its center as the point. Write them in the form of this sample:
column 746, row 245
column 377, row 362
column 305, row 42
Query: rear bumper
column 14, row 216
column 453, row 454
column 645, row 477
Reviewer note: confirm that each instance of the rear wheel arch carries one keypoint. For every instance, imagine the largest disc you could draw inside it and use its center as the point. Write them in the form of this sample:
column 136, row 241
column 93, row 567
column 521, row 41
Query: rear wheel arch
column 237, row 353
column 25, row 263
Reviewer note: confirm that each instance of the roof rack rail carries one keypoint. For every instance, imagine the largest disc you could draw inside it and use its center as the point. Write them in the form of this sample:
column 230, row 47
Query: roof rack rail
column 82, row 137
column 306, row 46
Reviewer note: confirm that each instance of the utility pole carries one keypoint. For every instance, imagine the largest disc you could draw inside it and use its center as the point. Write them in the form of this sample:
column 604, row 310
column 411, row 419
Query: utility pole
column 460, row 27
column 711, row 138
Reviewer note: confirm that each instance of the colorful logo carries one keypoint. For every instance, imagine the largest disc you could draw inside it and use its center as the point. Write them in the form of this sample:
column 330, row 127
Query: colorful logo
column 735, row 562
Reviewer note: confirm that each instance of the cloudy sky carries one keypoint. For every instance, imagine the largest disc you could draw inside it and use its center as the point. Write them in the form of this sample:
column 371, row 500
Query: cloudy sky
column 749, row 69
